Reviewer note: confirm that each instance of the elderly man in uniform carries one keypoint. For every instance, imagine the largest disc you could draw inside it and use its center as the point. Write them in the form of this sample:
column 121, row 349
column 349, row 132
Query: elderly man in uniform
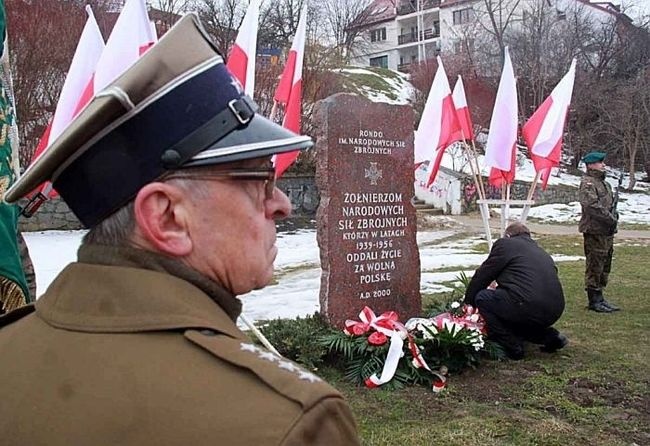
column 598, row 224
column 136, row 343
column 528, row 297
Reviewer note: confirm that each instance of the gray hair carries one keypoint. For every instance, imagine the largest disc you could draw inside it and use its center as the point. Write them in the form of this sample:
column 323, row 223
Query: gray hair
column 117, row 229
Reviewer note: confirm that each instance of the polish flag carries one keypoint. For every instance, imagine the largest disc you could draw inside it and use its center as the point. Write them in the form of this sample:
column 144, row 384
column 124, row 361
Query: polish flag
column 241, row 60
column 500, row 150
column 462, row 111
column 543, row 131
column 132, row 35
column 84, row 61
column 439, row 126
column 289, row 91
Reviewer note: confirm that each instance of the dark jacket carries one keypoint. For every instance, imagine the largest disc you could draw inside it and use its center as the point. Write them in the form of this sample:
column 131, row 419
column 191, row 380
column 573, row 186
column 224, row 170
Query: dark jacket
column 525, row 271
column 118, row 354
column 596, row 200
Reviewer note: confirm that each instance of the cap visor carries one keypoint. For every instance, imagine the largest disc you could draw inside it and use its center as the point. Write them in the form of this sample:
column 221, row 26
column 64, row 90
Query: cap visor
column 261, row 137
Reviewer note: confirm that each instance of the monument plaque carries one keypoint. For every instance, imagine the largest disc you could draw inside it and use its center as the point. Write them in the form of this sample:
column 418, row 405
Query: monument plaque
column 366, row 222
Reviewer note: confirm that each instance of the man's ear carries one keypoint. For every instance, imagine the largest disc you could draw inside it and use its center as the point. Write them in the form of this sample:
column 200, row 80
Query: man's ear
column 161, row 214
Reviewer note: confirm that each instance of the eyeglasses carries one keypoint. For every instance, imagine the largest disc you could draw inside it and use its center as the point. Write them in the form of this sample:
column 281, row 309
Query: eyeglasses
column 266, row 174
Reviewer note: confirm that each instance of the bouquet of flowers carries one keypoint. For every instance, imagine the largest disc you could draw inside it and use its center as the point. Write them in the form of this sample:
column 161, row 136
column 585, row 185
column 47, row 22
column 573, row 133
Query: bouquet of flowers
column 378, row 350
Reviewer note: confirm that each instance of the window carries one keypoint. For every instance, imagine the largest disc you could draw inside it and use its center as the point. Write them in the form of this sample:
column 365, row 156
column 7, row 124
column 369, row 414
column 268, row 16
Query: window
column 463, row 16
column 381, row 61
column 378, row 34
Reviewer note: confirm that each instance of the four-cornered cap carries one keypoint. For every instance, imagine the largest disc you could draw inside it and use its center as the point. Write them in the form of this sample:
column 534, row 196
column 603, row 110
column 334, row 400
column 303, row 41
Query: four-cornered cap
column 593, row 157
column 178, row 106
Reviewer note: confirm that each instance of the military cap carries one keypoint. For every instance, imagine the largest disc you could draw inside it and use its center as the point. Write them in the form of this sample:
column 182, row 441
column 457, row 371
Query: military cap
column 178, row 106
column 594, row 157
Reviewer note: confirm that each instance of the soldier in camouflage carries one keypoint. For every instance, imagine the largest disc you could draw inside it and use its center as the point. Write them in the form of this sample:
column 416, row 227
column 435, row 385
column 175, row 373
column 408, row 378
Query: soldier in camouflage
column 598, row 225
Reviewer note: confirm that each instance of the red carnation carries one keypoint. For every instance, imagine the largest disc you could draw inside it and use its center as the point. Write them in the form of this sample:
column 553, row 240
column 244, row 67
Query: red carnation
column 377, row 338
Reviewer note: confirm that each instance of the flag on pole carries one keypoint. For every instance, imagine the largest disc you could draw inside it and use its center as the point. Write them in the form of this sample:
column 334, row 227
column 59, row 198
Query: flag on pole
column 241, row 60
column 289, row 91
column 82, row 67
column 543, row 131
column 131, row 36
column 13, row 286
column 500, row 150
column 462, row 111
column 439, row 126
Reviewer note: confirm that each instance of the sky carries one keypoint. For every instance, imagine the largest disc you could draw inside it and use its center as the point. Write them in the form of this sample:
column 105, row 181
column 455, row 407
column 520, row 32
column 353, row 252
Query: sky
column 296, row 292
column 635, row 9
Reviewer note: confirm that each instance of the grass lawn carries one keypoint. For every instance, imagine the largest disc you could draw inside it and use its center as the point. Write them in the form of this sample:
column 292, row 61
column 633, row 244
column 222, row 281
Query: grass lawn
column 594, row 392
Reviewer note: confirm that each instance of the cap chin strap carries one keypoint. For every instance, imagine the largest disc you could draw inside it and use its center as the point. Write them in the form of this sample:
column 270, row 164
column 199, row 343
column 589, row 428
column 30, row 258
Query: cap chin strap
column 238, row 114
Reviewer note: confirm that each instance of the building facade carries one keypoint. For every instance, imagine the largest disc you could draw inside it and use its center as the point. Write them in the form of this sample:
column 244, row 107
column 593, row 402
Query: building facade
column 396, row 34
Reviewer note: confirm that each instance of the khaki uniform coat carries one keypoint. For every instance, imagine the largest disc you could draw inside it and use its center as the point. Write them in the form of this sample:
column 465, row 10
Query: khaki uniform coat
column 115, row 355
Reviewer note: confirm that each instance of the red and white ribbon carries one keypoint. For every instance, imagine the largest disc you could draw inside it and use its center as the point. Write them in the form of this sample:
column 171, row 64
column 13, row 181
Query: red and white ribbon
column 388, row 325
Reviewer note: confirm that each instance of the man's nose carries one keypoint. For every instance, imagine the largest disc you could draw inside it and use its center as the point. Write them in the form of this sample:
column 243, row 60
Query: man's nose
column 278, row 207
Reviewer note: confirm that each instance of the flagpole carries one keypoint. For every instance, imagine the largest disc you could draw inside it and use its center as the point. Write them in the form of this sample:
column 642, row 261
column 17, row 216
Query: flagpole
column 507, row 212
column 531, row 193
column 480, row 177
column 258, row 334
column 471, row 165
column 533, row 186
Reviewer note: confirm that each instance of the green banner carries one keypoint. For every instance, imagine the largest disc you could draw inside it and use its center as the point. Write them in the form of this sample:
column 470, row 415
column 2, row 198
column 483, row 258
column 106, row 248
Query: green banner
column 13, row 286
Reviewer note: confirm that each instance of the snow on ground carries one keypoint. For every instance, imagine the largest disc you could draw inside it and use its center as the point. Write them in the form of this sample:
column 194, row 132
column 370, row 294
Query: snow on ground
column 443, row 256
column 296, row 289
column 398, row 86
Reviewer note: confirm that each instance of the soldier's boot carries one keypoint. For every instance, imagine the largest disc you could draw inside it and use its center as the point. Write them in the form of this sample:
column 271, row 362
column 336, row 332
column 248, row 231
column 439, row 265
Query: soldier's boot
column 610, row 305
column 597, row 301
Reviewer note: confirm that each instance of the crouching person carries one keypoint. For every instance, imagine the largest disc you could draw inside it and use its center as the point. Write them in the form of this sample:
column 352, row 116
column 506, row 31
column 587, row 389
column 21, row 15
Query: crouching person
column 136, row 343
column 527, row 299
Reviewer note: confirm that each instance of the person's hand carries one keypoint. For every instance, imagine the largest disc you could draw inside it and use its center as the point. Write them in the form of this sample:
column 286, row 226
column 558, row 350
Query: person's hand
column 493, row 285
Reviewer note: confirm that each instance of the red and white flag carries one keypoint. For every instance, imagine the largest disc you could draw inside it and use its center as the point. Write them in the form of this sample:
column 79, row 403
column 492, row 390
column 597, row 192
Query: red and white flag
column 289, row 91
column 500, row 150
column 132, row 35
column 543, row 131
column 462, row 111
column 82, row 67
column 241, row 60
column 439, row 126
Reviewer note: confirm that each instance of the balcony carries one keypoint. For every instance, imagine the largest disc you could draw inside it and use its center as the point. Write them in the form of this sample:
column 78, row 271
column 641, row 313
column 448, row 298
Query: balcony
column 411, row 6
column 404, row 67
column 430, row 33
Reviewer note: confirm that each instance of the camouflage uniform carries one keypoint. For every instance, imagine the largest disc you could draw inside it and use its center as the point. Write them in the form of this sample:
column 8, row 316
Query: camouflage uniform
column 598, row 225
column 28, row 268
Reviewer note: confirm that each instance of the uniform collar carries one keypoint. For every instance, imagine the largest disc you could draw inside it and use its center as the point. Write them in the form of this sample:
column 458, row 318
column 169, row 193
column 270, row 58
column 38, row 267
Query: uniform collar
column 130, row 290
column 600, row 174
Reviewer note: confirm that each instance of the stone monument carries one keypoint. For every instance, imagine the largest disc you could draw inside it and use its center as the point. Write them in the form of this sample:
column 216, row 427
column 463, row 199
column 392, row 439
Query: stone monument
column 366, row 221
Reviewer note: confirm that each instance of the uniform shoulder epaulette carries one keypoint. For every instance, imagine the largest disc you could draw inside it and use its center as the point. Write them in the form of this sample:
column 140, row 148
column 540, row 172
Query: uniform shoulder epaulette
column 283, row 375
column 15, row 315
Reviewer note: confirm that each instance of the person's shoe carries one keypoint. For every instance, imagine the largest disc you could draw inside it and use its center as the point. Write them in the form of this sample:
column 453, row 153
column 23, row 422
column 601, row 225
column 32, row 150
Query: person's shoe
column 611, row 306
column 597, row 301
column 599, row 307
column 555, row 344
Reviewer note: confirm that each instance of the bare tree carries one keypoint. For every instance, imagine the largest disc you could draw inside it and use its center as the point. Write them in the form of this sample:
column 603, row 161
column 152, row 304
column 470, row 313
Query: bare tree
column 339, row 17
column 496, row 18
column 279, row 21
column 39, row 65
column 222, row 19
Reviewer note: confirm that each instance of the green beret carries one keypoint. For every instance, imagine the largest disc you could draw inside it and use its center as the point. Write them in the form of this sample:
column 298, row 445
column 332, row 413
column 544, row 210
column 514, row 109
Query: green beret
column 594, row 157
